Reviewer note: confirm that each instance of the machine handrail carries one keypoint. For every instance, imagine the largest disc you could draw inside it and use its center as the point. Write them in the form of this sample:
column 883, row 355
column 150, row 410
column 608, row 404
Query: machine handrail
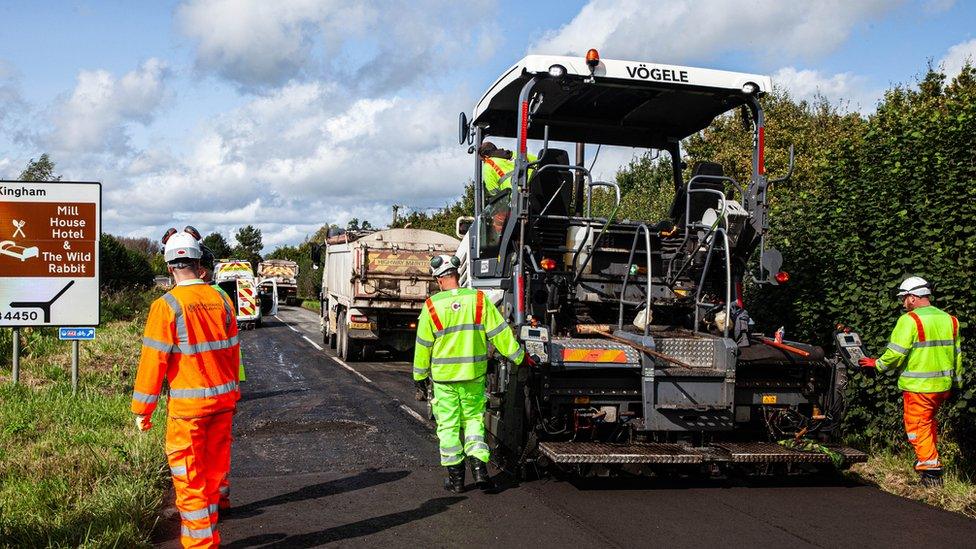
column 590, row 185
column 721, row 218
column 688, row 192
column 623, row 290
column 728, row 282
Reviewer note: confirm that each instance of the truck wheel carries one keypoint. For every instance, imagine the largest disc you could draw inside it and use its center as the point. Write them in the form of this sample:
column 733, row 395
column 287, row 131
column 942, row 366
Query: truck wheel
column 351, row 349
column 341, row 342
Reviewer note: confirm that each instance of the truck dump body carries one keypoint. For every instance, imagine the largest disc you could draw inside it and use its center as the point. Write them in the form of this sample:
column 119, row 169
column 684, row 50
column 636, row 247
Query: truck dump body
column 373, row 285
column 285, row 275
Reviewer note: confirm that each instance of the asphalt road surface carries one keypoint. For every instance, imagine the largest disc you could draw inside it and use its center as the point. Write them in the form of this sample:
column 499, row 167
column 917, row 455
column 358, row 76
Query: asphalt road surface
column 333, row 453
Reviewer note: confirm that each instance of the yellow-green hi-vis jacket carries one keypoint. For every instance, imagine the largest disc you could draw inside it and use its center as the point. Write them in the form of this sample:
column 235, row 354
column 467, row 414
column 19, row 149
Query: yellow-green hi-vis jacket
column 926, row 343
column 452, row 337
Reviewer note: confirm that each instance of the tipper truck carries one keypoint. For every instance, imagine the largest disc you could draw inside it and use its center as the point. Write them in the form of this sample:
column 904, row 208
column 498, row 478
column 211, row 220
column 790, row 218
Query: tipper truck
column 645, row 356
column 284, row 273
column 373, row 286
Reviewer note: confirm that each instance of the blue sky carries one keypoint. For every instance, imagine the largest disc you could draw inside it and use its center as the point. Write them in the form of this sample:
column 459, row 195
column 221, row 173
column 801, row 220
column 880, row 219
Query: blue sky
column 294, row 113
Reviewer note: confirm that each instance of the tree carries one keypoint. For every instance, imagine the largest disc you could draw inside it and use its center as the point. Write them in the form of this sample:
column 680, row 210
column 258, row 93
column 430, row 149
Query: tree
column 41, row 169
column 290, row 253
column 366, row 225
column 249, row 240
column 145, row 246
column 249, row 245
column 322, row 234
column 353, row 224
column 218, row 245
column 442, row 220
column 121, row 268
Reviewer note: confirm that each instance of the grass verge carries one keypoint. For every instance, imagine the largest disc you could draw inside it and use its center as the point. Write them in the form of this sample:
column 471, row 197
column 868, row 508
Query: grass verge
column 73, row 470
column 312, row 305
column 894, row 473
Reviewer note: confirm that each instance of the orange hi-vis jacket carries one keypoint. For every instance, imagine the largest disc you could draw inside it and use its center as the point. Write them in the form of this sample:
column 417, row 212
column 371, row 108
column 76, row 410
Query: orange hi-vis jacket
column 191, row 338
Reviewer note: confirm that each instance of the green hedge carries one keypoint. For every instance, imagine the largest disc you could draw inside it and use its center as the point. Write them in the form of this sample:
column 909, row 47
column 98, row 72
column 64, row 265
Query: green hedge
column 891, row 197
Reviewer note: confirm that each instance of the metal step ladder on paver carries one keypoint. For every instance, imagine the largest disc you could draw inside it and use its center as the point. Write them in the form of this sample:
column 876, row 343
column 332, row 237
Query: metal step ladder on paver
column 572, row 453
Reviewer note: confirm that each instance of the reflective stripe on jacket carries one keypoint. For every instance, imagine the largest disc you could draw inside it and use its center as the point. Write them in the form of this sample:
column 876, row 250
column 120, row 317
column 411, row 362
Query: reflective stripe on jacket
column 452, row 336
column 497, row 173
column 191, row 339
column 925, row 344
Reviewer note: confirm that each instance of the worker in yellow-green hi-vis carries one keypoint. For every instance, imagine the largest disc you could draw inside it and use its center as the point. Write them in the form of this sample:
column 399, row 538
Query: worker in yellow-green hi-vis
column 453, row 331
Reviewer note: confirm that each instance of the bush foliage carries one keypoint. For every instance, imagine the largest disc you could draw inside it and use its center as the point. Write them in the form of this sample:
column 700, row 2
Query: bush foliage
column 872, row 200
column 122, row 268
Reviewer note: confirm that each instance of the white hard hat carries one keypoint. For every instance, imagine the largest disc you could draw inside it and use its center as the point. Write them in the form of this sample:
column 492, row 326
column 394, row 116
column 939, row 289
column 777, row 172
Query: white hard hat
column 441, row 265
column 182, row 246
column 914, row 285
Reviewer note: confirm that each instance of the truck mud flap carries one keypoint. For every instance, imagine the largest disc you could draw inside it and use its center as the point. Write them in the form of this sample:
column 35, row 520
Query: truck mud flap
column 572, row 453
column 770, row 452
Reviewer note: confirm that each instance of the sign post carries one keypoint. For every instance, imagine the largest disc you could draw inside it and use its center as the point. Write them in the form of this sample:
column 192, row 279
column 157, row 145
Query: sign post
column 16, row 368
column 49, row 234
column 76, row 336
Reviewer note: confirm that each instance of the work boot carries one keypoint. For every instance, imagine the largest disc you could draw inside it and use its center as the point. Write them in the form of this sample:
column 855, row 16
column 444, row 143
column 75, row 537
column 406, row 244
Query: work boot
column 479, row 471
column 455, row 478
column 931, row 479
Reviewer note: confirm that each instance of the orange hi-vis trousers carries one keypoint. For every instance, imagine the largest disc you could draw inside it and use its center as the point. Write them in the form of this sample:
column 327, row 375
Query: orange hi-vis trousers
column 922, row 427
column 198, row 450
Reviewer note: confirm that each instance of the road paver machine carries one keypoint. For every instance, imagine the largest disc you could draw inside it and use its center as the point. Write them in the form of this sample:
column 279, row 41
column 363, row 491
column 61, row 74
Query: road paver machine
column 646, row 355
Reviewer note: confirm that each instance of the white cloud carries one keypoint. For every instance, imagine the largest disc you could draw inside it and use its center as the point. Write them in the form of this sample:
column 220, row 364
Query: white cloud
column 843, row 89
column 287, row 162
column 259, row 45
column 15, row 112
column 677, row 31
column 957, row 57
column 94, row 118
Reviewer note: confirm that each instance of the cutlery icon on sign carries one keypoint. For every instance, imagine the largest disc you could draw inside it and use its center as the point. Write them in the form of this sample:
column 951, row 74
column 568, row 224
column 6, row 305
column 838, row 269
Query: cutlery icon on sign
column 20, row 228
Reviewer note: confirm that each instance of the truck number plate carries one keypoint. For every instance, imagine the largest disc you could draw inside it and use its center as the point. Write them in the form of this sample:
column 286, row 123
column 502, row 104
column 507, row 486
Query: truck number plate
column 769, row 399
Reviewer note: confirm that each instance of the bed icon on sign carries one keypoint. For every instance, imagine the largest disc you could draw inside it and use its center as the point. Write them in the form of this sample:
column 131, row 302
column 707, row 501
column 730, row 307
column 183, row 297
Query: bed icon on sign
column 9, row 247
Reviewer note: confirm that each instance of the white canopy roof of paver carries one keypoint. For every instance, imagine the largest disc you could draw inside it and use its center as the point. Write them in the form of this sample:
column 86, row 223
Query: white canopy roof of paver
column 631, row 103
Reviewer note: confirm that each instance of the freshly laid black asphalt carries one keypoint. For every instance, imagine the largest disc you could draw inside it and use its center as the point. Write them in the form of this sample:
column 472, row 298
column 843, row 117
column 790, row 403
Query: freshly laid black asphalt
column 328, row 453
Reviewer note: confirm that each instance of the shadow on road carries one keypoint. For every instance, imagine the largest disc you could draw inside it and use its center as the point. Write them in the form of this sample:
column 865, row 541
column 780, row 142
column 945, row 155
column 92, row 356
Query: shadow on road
column 812, row 480
column 366, row 479
column 352, row 530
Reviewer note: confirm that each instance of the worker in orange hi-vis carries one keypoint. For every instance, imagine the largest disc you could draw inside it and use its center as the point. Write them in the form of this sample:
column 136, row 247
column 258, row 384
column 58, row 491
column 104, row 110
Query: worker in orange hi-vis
column 206, row 273
column 191, row 340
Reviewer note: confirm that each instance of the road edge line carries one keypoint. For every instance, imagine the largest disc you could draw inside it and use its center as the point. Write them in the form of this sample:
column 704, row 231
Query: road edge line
column 314, row 344
column 350, row 368
column 413, row 413
column 290, row 327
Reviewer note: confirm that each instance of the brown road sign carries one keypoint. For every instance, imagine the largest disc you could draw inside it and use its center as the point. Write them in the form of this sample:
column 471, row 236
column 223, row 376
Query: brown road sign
column 42, row 239
column 49, row 233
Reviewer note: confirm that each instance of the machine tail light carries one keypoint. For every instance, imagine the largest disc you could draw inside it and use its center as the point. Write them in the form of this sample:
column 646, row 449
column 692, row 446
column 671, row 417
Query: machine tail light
column 548, row 264
column 359, row 318
column 782, row 277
